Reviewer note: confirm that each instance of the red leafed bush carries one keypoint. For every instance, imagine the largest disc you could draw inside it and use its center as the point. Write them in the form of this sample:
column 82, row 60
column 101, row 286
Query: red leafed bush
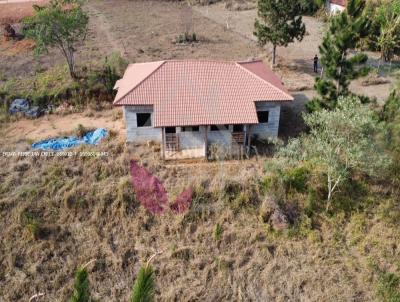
column 149, row 190
column 183, row 201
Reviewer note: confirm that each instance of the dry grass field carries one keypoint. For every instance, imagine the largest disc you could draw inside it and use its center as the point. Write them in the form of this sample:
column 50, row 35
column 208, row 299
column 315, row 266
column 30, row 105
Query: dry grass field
column 58, row 213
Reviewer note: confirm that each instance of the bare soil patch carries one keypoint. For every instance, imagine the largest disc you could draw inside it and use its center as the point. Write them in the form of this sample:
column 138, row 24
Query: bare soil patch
column 55, row 125
column 15, row 12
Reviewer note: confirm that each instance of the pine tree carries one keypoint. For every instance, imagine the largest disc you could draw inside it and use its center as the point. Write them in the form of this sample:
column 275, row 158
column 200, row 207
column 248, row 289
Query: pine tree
column 143, row 288
column 81, row 286
column 279, row 23
column 345, row 32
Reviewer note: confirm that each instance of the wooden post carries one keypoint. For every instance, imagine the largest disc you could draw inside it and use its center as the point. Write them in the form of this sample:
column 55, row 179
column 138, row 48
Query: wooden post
column 249, row 134
column 205, row 142
column 245, row 130
column 163, row 142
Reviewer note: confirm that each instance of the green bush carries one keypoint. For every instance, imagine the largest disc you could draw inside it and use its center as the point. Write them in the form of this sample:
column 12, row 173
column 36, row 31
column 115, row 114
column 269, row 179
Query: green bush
column 391, row 108
column 143, row 288
column 186, row 38
column 388, row 287
column 103, row 79
column 296, row 179
column 32, row 224
column 81, row 287
column 312, row 203
column 218, row 232
column 239, row 196
column 310, row 7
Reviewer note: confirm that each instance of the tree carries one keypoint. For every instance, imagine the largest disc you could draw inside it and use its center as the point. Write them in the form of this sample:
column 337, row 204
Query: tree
column 58, row 26
column 81, row 287
column 310, row 7
column 339, row 65
column 391, row 117
column 339, row 142
column 387, row 19
column 143, row 288
column 280, row 23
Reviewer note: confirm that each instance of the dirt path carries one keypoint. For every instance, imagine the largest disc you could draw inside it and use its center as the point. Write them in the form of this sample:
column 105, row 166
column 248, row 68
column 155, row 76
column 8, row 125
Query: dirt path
column 57, row 125
column 104, row 29
column 242, row 22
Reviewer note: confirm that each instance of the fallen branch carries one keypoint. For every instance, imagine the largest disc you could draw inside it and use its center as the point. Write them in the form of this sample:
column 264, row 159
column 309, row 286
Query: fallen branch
column 35, row 296
column 87, row 264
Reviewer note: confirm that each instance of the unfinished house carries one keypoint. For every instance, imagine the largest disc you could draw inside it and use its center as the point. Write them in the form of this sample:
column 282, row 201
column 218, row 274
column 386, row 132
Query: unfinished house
column 191, row 107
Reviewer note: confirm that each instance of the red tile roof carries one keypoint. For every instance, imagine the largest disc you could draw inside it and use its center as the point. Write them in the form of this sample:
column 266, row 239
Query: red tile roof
column 191, row 92
column 338, row 2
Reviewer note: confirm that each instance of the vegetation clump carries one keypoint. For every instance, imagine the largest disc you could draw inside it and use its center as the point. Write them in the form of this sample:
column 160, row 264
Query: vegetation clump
column 55, row 25
column 340, row 143
column 81, row 287
column 187, row 38
column 385, row 29
column 280, row 23
column 143, row 288
column 345, row 32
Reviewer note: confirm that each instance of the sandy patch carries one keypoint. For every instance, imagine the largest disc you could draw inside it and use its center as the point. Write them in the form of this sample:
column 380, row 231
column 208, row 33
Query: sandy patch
column 55, row 125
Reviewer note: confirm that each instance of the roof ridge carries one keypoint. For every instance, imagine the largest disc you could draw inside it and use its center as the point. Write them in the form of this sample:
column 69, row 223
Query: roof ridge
column 145, row 78
column 201, row 61
column 252, row 61
column 265, row 81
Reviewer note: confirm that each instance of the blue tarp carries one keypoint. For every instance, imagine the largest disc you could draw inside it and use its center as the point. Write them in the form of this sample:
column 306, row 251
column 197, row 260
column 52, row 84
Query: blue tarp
column 22, row 105
column 56, row 144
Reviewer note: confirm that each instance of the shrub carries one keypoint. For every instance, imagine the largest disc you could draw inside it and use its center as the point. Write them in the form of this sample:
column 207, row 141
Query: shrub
column 296, row 179
column 74, row 199
column 103, row 79
column 388, row 287
column 391, row 108
column 309, row 7
column 125, row 193
column 143, row 288
column 200, row 207
column 339, row 143
column 80, row 131
column 186, row 38
column 32, row 224
column 81, row 287
column 218, row 232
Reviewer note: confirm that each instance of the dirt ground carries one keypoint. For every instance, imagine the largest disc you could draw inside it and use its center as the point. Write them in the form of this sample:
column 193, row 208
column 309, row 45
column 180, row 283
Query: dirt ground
column 55, row 125
column 12, row 12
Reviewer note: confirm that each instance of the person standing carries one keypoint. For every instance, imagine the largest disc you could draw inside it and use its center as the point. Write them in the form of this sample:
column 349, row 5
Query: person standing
column 316, row 64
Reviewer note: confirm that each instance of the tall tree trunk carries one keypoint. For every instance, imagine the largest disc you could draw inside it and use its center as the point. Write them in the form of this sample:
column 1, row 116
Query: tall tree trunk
column 71, row 64
column 273, row 55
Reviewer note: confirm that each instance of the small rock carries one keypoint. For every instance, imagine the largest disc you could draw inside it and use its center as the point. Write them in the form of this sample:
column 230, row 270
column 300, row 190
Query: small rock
column 268, row 207
column 279, row 221
column 271, row 213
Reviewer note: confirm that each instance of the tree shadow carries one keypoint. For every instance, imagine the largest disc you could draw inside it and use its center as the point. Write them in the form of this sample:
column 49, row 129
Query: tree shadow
column 291, row 122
